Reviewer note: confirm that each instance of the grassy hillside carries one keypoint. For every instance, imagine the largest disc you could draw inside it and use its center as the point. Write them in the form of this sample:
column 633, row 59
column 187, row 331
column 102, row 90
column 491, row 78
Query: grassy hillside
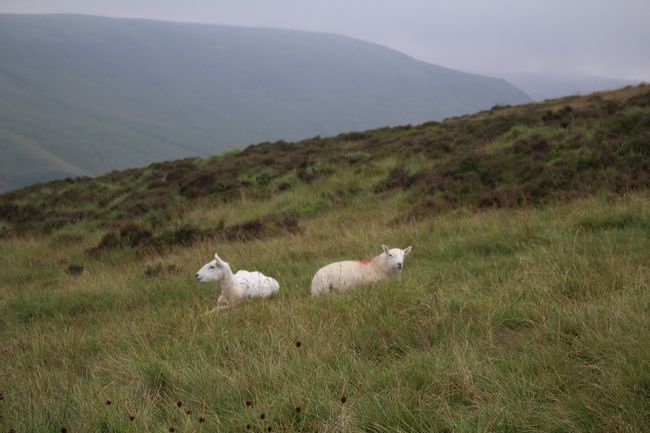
column 523, row 307
column 504, row 157
column 105, row 93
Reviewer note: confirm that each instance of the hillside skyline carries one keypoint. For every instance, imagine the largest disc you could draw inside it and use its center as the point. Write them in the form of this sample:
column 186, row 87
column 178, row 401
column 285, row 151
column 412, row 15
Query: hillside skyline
column 539, row 85
column 474, row 36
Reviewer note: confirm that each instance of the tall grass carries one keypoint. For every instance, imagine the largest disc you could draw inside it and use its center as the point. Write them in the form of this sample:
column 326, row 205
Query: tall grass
column 509, row 321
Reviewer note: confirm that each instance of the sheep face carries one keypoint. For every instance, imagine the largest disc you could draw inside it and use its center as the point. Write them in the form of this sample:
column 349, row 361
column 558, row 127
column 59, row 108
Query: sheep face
column 395, row 257
column 212, row 271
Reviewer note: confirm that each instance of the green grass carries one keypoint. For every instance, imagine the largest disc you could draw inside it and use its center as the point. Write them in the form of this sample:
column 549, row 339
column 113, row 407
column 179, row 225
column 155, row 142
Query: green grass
column 532, row 320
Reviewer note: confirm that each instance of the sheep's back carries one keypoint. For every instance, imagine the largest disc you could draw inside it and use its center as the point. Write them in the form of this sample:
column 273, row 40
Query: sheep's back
column 255, row 284
column 339, row 276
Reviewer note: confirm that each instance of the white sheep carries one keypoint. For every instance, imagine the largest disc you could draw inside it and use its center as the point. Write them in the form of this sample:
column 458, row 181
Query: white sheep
column 236, row 287
column 344, row 275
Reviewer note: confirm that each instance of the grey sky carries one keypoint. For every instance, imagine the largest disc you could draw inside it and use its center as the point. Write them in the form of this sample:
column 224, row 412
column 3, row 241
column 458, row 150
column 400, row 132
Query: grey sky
column 597, row 37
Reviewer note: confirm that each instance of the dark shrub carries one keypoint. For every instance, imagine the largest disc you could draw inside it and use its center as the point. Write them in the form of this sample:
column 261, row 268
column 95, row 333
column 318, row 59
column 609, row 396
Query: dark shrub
column 7, row 211
column 156, row 184
column 129, row 235
column 254, row 229
column 133, row 235
column 353, row 158
column 503, row 197
column 499, row 107
column 138, row 204
column 433, row 181
column 263, row 179
column 158, row 269
column 185, row 235
column 200, row 184
column 310, row 174
column 176, row 174
column 492, row 127
column 427, row 208
column 469, row 163
column 536, row 146
column 19, row 214
column 290, row 224
column 641, row 100
column 588, row 113
column 353, row 136
column 153, row 271
column 561, row 117
column 611, row 107
column 75, row 270
column 624, row 124
column 66, row 239
column 397, row 178
column 109, row 241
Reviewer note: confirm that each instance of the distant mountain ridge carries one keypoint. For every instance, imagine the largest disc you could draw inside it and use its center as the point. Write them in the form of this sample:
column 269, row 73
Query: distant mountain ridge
column 82, row 95
column 545, row 86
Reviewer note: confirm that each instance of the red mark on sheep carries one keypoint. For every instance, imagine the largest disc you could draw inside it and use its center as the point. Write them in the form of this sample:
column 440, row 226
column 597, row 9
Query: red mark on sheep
column 365, row 262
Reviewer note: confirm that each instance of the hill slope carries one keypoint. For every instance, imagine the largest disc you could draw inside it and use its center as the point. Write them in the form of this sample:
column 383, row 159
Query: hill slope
column 524, row 305
column 82, row 94
column 505, row 157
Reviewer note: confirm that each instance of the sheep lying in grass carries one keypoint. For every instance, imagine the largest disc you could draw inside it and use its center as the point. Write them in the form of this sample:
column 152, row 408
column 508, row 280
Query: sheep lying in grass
column 350, row 273
column 236, row 287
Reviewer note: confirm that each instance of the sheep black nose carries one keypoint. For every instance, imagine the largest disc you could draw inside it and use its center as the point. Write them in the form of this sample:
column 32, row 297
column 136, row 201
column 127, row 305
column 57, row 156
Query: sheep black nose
column 197, row 276
column 399, row 266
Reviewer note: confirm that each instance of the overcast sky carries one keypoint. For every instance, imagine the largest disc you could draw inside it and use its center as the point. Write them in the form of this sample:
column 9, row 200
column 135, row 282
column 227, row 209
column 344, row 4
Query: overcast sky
column 608, row 38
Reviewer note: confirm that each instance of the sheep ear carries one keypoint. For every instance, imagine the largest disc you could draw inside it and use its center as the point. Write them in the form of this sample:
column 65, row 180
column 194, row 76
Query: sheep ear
column 407, row 250
column 217, row 259
column 385, row 248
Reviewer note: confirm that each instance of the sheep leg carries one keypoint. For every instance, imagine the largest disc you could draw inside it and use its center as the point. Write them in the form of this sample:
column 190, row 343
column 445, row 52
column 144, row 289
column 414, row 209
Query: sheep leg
column 222, row 304
column 217, row 309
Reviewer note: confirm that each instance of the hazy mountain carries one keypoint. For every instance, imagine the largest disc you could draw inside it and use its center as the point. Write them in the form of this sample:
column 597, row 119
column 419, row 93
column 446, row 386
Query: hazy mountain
column 83, row 95
column 544, row 86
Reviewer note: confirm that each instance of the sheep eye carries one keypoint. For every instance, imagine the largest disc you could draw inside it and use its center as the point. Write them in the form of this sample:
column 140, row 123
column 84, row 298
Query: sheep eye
column 211, row 267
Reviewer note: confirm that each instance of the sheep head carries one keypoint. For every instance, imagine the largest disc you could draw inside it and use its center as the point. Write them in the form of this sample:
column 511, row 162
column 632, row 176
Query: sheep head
column 395, row 257
column 213, row 271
